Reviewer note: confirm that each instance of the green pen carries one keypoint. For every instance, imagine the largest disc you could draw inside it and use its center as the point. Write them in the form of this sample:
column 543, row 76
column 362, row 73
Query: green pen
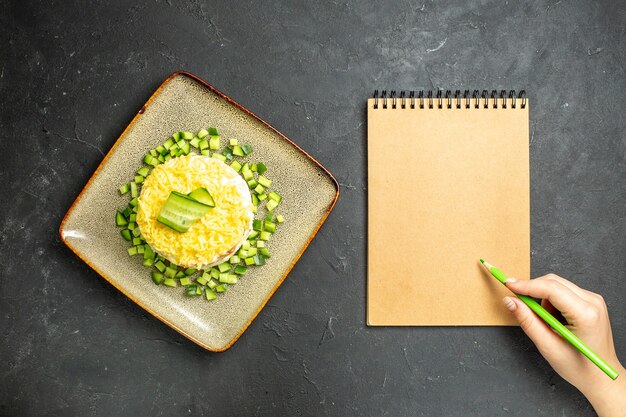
column 555, row 324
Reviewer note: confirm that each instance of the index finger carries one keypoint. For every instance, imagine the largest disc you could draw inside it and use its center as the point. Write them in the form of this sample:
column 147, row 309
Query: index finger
column 581, row 292
column 561, row 297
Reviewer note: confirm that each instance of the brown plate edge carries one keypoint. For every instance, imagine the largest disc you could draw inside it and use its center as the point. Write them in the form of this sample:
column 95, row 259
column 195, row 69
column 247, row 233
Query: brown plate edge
column 282, row 279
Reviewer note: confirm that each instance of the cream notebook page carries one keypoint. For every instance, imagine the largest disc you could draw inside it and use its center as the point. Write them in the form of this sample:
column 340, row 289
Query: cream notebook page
column 446, row 186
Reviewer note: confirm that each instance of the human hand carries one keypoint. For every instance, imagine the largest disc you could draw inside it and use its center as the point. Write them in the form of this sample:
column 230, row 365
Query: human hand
column 586, row 315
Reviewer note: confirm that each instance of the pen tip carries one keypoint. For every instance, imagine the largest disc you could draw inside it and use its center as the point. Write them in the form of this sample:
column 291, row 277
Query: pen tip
column 482, row 261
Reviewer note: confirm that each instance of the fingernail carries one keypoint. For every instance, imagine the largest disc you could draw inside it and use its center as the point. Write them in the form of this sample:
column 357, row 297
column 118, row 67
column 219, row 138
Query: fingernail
column 510, row 304
column 510, row 280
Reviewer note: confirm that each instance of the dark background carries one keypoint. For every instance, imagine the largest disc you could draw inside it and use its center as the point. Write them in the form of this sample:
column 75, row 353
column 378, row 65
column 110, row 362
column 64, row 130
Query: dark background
column 73, row 74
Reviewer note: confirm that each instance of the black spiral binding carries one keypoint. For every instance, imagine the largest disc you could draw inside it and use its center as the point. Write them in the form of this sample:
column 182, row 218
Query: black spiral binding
column 495, row 100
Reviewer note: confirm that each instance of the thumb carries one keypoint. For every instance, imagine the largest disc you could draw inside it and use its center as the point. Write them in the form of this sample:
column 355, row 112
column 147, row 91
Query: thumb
column 536, row 329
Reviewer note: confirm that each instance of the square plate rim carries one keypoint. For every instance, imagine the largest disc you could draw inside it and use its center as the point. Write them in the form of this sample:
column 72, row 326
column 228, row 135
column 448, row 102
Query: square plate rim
column 111, row 151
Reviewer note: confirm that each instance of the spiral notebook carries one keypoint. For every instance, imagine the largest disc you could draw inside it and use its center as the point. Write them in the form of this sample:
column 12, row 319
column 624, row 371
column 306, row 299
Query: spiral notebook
column 448, row 183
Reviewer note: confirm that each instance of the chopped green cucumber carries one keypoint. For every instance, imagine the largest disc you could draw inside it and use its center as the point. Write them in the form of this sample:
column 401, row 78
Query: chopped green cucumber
column 265, row 236
column 264, row 181
column 253, row 167
column 259, row 189
column 160, row 266
column 249, row 261
column 180, row 211
column 260, row 244
column 257, row 224
column 203, row 133
column 137, row 241
column 214, row 143
column 236, row 166
column 247, row 174
column 195, row 142
column 180, row 274
column 202, row 280
column 204, row 144
column 202, row 195
column 188, row 135
column 255, row 200
column 228, row 279
column 126, row 234
column 221, row 288
column 190, row 271
column 170, row 272
column 223, row 267
column 269, row 227
column 253, row 234
column 157, row 277
column 219, row 156
column 240, row 270
column 233, row 142
column 210, row 295
column 148, row 252
column 234, row 260
column 147, row 262
column 133, row 190
column 124, row 189
column 279, row 218
column 265, row 252
column 271, row 205
column 205, row 152
column 262, row 197
column 140, row 249
column 237, row 151
column 228, row 153
column 259, row 259
column 185, row 281
column 193, row 290
column 252, row 183
column 170, row 282
column 213, row 131
column 168, row 143
column 261, row 168
column 120, row 220
column 132, row 250
column 275, row 196
column 138, row 179
column 143, row 171
column 247, row 149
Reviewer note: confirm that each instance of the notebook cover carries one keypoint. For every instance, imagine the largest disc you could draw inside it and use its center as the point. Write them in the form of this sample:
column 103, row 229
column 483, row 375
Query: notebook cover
column 446, row 187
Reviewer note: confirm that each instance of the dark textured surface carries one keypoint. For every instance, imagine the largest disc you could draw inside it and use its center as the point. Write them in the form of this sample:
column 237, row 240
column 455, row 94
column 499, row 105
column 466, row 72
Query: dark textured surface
column 72, row 75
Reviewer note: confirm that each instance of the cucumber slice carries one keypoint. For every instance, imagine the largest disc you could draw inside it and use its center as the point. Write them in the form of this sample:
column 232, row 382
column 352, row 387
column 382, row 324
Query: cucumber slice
column 210, row 295
column 202, row 195
column 126, row 234
column 261, row 168
column 247, row 149
column 120, row 220
column 180, row 211
column 237, row 151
